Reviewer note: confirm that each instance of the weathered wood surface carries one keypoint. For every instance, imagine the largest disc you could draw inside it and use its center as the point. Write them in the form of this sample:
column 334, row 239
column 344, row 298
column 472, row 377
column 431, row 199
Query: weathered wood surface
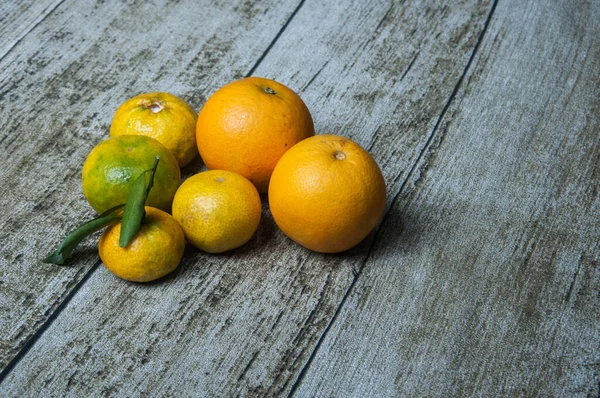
column 59, row 88
column 461, row 280
column 253, row 318
column 19, row 17
column 485, row 276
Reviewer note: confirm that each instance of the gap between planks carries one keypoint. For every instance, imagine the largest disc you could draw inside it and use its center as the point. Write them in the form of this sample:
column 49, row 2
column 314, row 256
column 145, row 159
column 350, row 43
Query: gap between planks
column 38, row 333
column 427, row 145
column 40, row 19
column 35, row 337
column 285, row 25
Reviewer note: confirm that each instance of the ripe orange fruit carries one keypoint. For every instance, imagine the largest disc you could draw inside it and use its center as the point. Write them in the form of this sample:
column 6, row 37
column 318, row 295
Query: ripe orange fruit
column 218, row 210
column 155, row 250
column 114, row 164
column 162, row 116
column 247, row 125
column 327, row 193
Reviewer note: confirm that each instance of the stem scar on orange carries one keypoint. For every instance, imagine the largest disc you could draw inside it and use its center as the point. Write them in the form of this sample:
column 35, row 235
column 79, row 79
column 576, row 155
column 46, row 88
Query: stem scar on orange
column 247, row 125
column 327, row 193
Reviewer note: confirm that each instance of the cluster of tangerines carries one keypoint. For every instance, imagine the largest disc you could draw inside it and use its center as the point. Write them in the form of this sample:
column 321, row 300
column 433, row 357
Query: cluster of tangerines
column 254, row 135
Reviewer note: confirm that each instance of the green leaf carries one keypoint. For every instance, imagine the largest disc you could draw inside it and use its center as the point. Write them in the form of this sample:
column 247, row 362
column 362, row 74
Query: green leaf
column 63, row 252
column 134, row 207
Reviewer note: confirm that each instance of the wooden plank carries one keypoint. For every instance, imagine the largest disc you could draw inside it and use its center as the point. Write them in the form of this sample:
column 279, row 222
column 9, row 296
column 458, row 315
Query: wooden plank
column 246, row 322
column 18, row 18
column 59, row 88
column 485, row 278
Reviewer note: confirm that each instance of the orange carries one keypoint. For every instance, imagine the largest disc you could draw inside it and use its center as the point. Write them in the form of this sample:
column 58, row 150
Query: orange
column 162, row 116
column 247, row 125
column 218, row 210
column 327, row 193
column 155, row 250
column 113, row 165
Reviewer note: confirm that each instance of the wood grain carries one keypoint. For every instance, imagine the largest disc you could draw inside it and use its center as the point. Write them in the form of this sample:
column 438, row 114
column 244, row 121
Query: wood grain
column 247, row 322
column 485, row 276
column 59, row 88
column 19, row 17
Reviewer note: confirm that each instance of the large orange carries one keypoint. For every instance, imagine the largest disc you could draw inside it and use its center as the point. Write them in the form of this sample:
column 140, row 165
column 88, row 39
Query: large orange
column 247, row 125
column 154, row 251
column 327, row 193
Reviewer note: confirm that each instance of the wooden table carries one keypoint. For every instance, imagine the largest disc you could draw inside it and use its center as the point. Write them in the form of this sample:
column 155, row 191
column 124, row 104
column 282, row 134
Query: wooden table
column 483, row 278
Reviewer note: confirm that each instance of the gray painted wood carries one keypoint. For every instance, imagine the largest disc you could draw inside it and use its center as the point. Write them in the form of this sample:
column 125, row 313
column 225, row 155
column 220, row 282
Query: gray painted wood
column 19, row 17
column 59, row 87
column 485, row 276
column 247, row 322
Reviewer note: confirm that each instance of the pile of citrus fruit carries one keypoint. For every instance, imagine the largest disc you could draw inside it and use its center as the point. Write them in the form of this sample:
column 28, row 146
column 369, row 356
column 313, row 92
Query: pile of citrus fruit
column 255, row 136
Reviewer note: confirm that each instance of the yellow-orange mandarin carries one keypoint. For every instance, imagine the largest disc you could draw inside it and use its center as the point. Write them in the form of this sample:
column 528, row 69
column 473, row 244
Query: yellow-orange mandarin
column 162, row 116
column 155, row 251
column 218, row 210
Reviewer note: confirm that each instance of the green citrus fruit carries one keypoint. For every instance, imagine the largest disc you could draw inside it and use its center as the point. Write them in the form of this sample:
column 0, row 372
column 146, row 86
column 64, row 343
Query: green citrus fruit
column 113, row 165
